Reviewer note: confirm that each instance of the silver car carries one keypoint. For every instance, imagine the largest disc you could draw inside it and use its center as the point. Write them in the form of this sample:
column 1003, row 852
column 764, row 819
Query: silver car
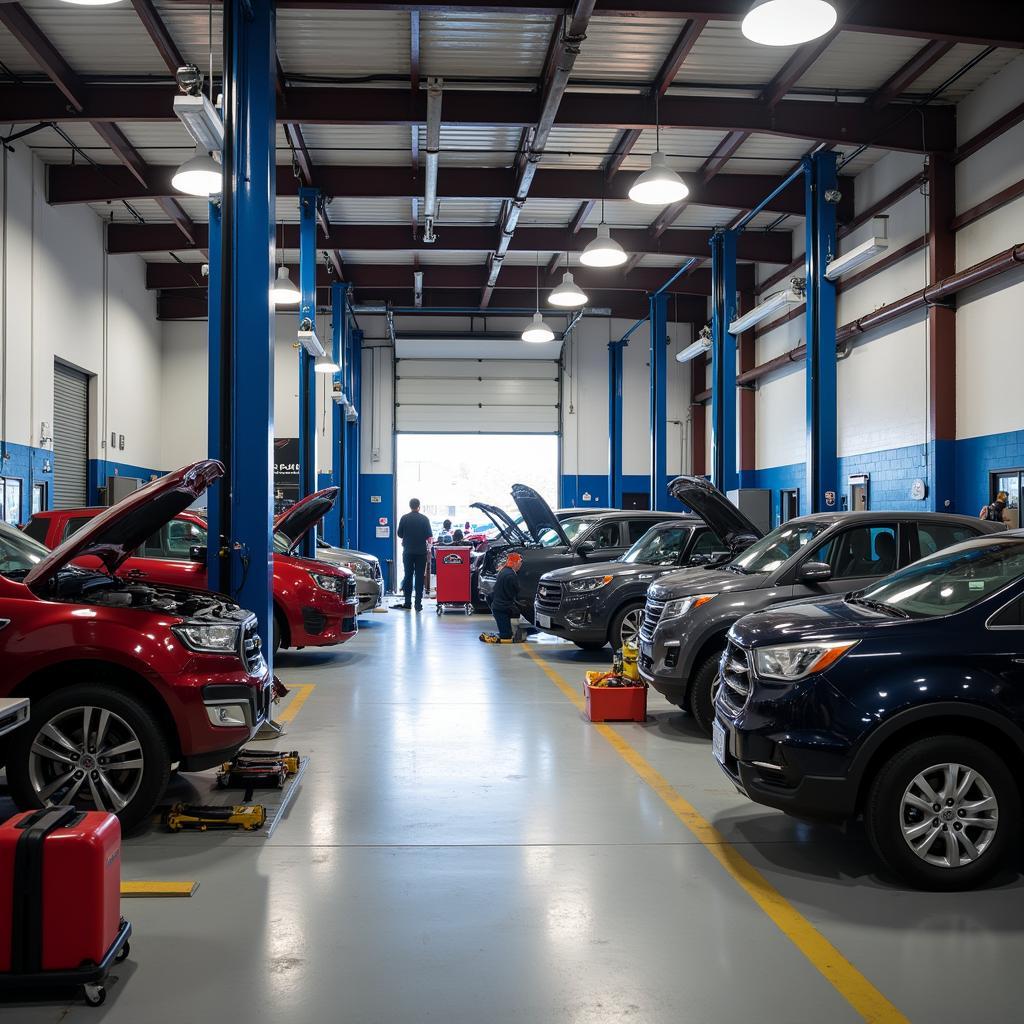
column 369, row 582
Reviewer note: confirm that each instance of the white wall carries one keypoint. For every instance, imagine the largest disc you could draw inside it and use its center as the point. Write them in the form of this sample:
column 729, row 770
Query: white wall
column 66, row 299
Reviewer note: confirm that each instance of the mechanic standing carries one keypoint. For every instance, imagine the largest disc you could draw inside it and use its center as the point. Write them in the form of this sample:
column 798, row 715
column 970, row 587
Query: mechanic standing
column 415, row 531
column 503, row 601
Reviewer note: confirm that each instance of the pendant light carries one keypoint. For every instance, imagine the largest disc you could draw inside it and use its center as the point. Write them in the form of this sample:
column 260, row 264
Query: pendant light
column 325, row 364
column 603, row 251
column 568, row 293
column 92, row 3
column 536, row 330
column 284, row 293
column 200, row 175
column 788, row 22
column 659, row 185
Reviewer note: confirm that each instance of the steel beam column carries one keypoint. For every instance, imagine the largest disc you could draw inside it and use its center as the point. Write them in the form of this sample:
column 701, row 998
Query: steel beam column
column 723, row 361
column 821, row 493
column 747, row 399
column 334, row 522
column 698, row 419
column 659, row 399
column 307, row 374
column 213, row 400
column 615, row 422
column 352, row 436
column 244, row 403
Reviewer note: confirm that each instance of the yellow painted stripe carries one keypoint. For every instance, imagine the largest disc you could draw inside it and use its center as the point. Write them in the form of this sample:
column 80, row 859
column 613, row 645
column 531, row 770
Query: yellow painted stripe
column 837, row 970
column 132, row 889
column 300, row 693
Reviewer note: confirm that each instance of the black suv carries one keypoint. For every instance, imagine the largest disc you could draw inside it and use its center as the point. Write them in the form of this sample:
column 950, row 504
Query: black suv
column 603, row 602
column 902, row 702
column 689, row 612
column 557, row 542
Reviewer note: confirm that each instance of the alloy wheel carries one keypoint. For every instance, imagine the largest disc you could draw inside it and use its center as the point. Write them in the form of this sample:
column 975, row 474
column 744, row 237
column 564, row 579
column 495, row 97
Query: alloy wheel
column 86, row 754
column 629, row 631
column 949, row 815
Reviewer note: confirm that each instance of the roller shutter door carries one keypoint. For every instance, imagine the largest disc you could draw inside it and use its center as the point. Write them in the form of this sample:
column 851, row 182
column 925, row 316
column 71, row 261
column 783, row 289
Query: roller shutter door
column 469, row 396
column 70, row 437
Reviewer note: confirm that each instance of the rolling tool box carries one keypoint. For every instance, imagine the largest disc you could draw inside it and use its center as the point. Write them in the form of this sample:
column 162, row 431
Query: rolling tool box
column 454, row 586
column 60, row 901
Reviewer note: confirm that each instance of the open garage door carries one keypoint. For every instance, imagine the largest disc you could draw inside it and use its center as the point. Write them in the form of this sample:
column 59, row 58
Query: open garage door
column 476, row 396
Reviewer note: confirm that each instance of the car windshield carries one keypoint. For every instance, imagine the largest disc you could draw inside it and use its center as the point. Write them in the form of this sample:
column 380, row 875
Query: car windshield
column 18, row 553
column 767, row 554
column 948, row 582
column 657, row 547
column 571, row 527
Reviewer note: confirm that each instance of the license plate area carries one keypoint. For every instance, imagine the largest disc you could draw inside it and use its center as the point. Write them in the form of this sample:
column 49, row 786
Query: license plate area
column 544, row 621
column 718, row 736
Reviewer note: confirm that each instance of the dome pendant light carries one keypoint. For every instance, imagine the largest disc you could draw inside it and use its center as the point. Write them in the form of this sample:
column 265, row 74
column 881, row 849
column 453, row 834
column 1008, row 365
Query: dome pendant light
column 200, row 175
column 325, row 364
column 788, row 22
column 92, row 3
column 568, row 293
column 284, row 293
column 536, row 330
column 659, row 185
column 603, row 251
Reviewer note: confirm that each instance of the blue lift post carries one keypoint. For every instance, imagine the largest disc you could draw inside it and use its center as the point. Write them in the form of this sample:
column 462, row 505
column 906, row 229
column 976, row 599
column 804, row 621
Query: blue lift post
column 307, row 374
column 659, row 400
column 723, row 361
column 354, row 358
column 821, row 493
column 334, row 520
column 615, row 421
column 213, row 397
column 242, row 353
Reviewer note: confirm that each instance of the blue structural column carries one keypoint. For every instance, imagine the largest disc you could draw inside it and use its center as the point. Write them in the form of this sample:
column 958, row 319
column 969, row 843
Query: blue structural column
column 307, row 374
column 214, row 392
column 352, row 434
column 334, row 521
column 659, row 399
column 615, row 422
column 723, row 361
column 241, row 410
column 821, row 493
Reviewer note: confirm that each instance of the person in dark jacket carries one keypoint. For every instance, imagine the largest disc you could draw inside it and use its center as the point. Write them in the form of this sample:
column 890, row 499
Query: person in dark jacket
column 503, row 601
column 996, row 512
column 415, row 531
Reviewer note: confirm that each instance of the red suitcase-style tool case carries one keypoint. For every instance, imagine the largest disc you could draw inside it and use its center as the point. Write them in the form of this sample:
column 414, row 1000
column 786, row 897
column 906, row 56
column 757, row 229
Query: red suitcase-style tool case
column 60, row 899
column 454, row 584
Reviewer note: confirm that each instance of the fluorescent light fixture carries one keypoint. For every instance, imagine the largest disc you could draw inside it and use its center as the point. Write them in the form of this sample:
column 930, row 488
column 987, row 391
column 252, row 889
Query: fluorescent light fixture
column 351, row 414
column 200, row 175
column 338, row 394
column 311, row 343
column 325, row 364
column 603, row 251
column 568, row 293
column 659, row 185
column 788, row 22
column 763, row 310
column 538, row 331
column 698, row 348
column 92, row 3
column 879, row 242
column 201, row 121
column 283, row 292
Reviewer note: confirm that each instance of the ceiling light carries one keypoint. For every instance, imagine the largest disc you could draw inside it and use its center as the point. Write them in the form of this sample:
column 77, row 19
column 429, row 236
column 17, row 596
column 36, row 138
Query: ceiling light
column 92, row 3
column 659, row 185
column 325, row 364
column 603, row 251
column 697, row 348
column 568, row 293
column 776, row 301
column 537, row 331
column 283, row 292
column 788, row 22
column 200, row 175
column 878, row 242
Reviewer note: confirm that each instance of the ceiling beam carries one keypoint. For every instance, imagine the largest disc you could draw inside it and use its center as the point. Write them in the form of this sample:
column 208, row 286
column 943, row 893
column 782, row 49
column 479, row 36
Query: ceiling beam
column 44, row 53
column 905, row 77
column 154, row 25
column 933, row 127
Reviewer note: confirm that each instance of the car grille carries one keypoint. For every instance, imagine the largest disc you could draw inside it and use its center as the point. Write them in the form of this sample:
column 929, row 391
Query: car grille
column 734, row 674
column 652, row 616
column 252, row 648
column 549, row 596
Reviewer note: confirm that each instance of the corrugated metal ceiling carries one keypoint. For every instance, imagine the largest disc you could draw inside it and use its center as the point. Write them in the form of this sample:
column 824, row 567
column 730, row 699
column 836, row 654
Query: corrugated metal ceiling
column 467, row 44
column 625, row 49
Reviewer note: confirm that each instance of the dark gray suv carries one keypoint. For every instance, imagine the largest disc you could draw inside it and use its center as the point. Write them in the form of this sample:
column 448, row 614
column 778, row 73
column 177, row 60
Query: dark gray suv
column 688, row 613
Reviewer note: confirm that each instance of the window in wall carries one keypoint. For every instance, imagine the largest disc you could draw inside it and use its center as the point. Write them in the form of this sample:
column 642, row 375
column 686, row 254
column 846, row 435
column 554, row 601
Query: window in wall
column 10, row 492
column 1008, row 480
column 38, row 498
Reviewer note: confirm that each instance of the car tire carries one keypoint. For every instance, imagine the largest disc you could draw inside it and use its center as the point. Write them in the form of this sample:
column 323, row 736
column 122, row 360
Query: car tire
column 626, row 612
column 702, row 693
column 892, row 809
column 277, row 632
column 589, row 645
column 71, row 712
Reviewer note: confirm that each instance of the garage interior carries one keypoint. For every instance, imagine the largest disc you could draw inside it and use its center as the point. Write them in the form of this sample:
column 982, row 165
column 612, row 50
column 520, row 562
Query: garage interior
column 296, row 236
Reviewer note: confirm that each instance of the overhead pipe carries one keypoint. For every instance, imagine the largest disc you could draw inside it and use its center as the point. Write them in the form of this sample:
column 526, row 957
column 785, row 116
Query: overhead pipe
column 435, row 87
column 382, row 310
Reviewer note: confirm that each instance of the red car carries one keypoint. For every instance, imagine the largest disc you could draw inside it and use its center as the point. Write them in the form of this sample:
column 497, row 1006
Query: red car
column 315, row 603
column 125, row 678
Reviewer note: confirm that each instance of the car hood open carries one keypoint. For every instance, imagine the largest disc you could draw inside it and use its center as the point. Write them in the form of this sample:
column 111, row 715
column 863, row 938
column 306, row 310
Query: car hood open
column 716, row 510
column 115, row 533
column 536, row 513
column 507, row 529
column 295, row 522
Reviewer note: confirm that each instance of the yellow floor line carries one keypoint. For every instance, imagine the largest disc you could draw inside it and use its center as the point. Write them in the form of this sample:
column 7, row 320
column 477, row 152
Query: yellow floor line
column 300, row 693
column 179, row 889
column 836, row 969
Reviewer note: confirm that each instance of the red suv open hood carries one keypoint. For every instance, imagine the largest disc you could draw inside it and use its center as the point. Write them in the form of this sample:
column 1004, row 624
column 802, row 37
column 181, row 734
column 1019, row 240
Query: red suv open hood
column 115, row 533
column 297, row 521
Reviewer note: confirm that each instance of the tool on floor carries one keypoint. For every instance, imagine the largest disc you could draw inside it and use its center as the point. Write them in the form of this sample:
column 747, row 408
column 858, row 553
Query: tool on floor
column 199, row 818
column 618, row 694
column 290, row 758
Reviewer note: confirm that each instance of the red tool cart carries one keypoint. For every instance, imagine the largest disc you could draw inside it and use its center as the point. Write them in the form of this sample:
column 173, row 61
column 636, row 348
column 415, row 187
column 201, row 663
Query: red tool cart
column 454, row 588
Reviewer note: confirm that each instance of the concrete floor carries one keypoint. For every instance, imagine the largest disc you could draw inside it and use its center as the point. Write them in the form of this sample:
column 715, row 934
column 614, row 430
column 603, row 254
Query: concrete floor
column 466, row 849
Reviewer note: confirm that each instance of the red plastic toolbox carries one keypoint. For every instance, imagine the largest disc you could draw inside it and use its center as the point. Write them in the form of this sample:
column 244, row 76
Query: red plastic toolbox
column 616, row 703
column 60, row 890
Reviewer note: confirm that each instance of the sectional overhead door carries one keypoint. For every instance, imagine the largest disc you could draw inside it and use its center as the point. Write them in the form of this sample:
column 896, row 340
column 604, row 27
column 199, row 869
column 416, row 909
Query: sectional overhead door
column 70, row 437
column 470, row 396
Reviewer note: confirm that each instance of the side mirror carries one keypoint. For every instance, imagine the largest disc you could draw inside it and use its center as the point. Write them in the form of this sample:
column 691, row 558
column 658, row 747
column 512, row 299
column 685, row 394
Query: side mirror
column 814, row 572
column 197, row 553
column 587, row 548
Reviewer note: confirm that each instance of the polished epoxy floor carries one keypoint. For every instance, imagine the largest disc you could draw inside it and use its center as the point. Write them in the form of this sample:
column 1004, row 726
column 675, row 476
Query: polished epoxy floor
column 466, row 849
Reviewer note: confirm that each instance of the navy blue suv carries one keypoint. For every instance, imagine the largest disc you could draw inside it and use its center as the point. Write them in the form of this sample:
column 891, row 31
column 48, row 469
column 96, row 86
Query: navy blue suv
column 902, row 702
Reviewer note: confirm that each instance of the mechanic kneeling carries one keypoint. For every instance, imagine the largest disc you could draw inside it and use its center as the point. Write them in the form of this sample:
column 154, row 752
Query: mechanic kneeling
column 503, row 601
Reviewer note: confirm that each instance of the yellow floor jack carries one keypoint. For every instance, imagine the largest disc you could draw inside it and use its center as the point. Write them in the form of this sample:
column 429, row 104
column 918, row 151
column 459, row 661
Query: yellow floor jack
column 196, row 818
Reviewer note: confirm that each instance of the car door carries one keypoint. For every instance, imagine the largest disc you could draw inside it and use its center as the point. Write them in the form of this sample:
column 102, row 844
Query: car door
column 165, row 557
column 857, row 554
column 609, row 539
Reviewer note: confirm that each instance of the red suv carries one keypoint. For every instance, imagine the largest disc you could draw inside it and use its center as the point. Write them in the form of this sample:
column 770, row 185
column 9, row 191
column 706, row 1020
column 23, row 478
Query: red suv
column 125, row 678
column 315, row 603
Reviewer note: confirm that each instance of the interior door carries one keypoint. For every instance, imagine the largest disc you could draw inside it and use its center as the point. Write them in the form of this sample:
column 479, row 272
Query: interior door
column 858, row 555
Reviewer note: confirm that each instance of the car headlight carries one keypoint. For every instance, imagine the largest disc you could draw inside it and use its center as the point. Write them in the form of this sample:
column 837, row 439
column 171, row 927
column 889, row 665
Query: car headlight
column 684, row 605
column 208, row 638
column 588, row 583
column 795, row 661
column 335, row 584
column 359, row 568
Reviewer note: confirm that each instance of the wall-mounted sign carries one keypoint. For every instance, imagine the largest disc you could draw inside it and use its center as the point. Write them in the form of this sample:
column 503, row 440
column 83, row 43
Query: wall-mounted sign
column 383, row 532
column 830, row 498
column 382, row 521
column 374, row 499
column 286, row 468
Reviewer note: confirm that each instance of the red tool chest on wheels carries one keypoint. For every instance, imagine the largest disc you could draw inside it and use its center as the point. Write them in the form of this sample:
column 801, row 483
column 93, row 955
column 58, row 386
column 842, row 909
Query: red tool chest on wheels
column 454, row 585
column 60, row 899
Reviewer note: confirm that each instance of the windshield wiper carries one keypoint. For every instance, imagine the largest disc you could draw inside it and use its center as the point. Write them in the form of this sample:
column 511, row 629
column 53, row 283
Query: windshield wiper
column 878, row 606
column 738, row 569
